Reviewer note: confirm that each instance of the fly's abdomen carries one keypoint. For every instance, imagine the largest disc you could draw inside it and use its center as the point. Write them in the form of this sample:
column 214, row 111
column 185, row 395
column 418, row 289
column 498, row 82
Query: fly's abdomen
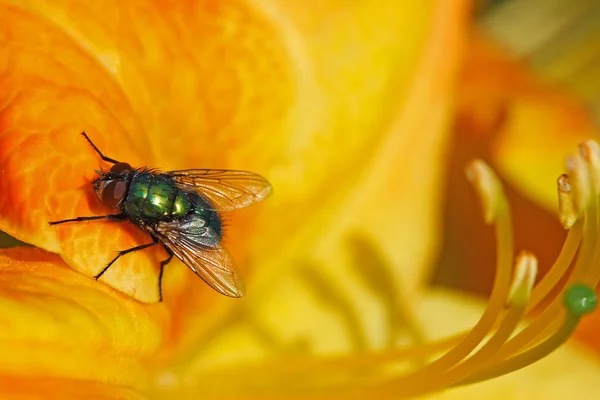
column 154, row 196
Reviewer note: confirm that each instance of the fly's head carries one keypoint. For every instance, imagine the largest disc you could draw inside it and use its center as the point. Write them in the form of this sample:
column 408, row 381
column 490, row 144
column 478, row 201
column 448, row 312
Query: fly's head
column 111, row 186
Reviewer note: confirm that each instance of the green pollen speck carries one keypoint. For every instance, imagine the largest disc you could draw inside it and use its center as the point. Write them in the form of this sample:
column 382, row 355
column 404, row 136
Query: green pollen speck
column 580, row 300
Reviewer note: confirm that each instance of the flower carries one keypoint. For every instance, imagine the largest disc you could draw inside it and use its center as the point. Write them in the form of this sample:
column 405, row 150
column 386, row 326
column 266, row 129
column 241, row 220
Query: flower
column 326, row 104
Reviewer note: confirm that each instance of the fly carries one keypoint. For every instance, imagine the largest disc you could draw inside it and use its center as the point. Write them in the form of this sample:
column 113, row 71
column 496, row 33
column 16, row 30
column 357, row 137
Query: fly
column 179, row 210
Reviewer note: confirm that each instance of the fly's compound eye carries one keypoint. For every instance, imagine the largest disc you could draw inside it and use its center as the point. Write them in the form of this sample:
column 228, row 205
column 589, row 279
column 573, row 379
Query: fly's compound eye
column 113, row 192
column 120, row 168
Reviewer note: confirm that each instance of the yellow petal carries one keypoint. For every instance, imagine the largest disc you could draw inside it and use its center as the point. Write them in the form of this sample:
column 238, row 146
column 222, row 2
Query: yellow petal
column 381, row 180
column 59, row 323
column 363, row 114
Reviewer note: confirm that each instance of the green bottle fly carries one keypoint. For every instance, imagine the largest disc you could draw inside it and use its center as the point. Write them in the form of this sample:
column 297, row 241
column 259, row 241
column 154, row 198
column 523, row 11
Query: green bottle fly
column 181, row 211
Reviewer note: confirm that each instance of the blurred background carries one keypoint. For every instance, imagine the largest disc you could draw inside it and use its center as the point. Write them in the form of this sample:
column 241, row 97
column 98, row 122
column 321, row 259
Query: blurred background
column 557, row 40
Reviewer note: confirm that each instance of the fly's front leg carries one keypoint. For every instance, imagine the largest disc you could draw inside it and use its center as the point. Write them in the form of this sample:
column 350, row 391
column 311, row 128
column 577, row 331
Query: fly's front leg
column 116, row 217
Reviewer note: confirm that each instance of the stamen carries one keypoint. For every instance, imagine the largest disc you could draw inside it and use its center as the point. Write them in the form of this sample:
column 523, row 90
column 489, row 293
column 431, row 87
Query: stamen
column 566, row 204
column 590, row 151
column 496, row 210
column 591, row 276
column 580, row 179
column 523, row 280
column 488, row 188
column 560, row 266
column 525, row 273
column 549, row 318
column 588, row 247
column 578, row 301
column 570, row 220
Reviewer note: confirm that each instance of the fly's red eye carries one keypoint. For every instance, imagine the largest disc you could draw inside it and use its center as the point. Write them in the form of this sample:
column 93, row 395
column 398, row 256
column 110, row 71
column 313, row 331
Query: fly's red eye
column 114, row 192
column 120, row 168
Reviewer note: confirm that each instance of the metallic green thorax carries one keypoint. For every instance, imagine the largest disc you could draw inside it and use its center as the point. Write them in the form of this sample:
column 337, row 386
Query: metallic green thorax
column 155, row 196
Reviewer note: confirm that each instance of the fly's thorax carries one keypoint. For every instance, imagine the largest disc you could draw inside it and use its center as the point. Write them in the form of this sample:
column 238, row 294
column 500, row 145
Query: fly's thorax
column 155, row 196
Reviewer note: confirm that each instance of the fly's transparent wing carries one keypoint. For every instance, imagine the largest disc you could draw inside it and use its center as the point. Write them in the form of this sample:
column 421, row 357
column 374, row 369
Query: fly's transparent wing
column 226, row 189
column 199, row 249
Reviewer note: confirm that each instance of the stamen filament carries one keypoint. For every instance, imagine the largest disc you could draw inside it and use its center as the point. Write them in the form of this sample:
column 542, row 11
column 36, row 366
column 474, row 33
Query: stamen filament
column 528, row 357
column 578, row 300
column 496, row 210
column 420, row 381
column 560, row 266
column 588, row 246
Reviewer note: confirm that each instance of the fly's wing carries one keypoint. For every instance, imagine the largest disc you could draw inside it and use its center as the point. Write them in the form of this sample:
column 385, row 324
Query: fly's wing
column 225, row 189
column 198, row 248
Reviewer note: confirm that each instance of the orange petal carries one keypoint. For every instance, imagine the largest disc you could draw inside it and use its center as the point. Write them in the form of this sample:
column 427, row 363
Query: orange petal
column 59, row 323
column 52, row 90
column 205, row 81
column 146, row 94
column 18, row 388
column 366, row 155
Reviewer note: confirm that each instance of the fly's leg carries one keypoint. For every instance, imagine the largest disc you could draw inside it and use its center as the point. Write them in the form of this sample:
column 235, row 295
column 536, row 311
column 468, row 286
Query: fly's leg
column 160, row 275
column 123, row 252
column 111, row 160
column 115, row 217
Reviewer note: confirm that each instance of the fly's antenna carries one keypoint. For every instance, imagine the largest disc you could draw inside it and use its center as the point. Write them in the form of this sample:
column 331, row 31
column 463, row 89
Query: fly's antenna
column 97, row 150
